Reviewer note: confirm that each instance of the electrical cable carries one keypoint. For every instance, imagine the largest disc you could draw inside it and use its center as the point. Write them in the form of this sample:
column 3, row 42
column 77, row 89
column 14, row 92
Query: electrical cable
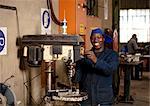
column 9, row 78
column 42, row 100
column 32, row 78
column 53, row 16
column 29, row 81
column 48, row 4
column 24, row 75
column 33, row 100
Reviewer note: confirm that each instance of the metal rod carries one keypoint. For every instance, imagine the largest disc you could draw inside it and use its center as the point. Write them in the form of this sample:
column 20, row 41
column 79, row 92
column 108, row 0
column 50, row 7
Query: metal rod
column 8, row 7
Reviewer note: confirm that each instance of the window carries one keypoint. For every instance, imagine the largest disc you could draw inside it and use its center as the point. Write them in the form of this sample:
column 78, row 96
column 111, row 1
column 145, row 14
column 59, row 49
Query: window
column 135, row 21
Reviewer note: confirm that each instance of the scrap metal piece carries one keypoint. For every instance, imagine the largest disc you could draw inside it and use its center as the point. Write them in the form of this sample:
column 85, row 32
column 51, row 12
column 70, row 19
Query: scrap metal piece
column 70, row 96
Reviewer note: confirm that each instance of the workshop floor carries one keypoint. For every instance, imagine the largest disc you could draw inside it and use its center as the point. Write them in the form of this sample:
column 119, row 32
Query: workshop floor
column 140, row 91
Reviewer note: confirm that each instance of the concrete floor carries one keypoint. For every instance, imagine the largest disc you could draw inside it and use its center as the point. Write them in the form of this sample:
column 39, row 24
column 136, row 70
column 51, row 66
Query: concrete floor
column 139, row 90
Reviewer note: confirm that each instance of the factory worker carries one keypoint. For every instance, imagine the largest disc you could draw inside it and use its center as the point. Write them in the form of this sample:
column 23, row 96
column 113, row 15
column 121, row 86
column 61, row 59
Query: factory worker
column 94, row 71
column 132, row 45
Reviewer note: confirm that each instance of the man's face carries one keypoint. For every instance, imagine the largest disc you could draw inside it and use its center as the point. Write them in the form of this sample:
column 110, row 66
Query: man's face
column 97, row 41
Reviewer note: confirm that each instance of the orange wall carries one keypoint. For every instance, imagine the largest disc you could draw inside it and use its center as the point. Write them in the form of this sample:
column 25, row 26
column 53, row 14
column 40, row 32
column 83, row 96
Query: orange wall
column 80, row 18
column 76, row 16
column 69, row 6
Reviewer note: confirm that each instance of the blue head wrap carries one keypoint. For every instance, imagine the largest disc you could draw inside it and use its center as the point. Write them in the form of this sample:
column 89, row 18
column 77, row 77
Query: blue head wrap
column 97, row 31
column 108, row 39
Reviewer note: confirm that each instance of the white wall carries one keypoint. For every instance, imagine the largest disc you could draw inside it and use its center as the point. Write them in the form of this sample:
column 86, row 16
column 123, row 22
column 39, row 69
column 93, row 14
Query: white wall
column 29, row 23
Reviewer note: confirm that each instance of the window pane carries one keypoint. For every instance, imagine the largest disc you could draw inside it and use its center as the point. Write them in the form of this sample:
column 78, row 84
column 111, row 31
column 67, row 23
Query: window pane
column 135, row 21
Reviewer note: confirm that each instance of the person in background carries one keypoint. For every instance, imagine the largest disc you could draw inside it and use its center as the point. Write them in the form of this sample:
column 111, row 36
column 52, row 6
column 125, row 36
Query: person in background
column 109, row 35
column 133, row 48
column 132, row 45
column 94, row 71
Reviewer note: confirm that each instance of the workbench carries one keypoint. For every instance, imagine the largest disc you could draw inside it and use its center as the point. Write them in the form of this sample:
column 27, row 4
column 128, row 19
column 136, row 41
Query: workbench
column 128, row 68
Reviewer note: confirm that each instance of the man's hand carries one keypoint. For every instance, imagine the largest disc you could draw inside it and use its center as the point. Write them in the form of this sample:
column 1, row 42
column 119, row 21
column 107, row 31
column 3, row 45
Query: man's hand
column 90, row 55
